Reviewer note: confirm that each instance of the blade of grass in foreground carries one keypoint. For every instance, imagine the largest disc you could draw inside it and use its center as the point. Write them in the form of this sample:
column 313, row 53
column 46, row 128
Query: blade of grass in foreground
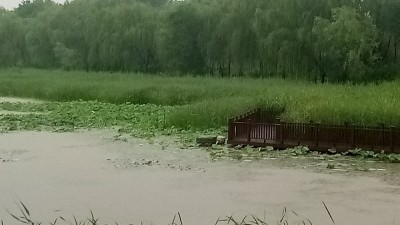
column 329, row 213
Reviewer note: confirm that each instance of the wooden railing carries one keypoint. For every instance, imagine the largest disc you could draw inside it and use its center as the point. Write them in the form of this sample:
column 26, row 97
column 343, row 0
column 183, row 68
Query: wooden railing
column 315, row 136
column 256, row 115
column 253, row 115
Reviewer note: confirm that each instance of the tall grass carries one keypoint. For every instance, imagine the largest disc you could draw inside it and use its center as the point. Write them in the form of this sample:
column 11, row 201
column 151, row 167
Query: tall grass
column 206, row 102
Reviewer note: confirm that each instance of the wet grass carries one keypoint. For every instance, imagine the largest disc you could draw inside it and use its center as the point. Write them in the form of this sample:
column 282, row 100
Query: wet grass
column 206, row 102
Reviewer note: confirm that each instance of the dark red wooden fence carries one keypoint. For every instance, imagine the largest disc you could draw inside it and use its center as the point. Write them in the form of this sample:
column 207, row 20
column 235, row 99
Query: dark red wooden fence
column 257, row 128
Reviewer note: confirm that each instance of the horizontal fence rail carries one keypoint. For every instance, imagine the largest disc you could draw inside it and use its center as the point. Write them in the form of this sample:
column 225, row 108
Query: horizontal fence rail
column 256, row 115
column 259, row 130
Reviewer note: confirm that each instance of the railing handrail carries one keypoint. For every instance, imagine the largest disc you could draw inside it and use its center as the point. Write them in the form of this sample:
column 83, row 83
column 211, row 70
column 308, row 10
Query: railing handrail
column 329, row 134
column 322, row 125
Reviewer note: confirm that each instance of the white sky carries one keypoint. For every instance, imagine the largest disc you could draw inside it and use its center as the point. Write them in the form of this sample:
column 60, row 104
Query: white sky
column 11, row 4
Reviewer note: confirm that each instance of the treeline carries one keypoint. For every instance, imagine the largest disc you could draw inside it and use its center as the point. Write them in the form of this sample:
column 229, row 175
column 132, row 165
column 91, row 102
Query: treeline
column 318, row 40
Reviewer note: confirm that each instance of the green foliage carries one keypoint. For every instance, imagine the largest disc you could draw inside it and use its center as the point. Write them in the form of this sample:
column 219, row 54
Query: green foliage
column 300, row 150
column 209, row 113
column 347, row 45
column 67, row 57
column 314, row 40
column 205, row 112
column 135, row 119
column 11, row 39
column 179, row 42
column 393, row 158
column 199, row 103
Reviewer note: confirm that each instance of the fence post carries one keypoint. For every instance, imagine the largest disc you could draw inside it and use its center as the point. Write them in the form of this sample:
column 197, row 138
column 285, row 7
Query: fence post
column 353, row 136
column 316, row 134
column 281, row 134
column 392, row 139
column 248, row 131
column 346, row 124
column 313, row 130
column 230, row 129
column 382, row 135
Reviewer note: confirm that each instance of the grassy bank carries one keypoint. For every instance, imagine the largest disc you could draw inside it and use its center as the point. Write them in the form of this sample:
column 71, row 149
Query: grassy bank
column 203, row 103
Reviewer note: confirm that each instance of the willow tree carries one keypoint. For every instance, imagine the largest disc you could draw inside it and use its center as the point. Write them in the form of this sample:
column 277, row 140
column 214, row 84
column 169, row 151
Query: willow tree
column 179, row 39
column 12, row 44
column 346, row 45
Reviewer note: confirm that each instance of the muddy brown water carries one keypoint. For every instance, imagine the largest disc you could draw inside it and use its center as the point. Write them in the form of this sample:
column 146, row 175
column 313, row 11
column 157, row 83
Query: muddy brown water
column 69, row 174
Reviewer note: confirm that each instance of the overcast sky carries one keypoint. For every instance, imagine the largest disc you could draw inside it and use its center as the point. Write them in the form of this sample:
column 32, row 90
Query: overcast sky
column 10, row 4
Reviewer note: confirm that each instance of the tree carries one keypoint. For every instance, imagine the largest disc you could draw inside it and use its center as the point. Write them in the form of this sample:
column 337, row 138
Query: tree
column 11, row 40
column 325, row 40
column 67, row 57
column 39, row 45
column 346, row 45
column 30, row 9
column 179, row 43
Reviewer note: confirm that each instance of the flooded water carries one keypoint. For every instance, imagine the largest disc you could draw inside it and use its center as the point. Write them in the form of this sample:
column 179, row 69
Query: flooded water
column 69, row 174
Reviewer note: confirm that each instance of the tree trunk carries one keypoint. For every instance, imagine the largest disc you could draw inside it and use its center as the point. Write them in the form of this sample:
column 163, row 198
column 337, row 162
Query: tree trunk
column 388, row 48
column 146, row 66
column 240, row 69
column 322, row 72
column 221, row 70
column 323, row 77
column 211, row 69
column 395, row 49
column 229, row 65
column 284, row 74
column 260, row 68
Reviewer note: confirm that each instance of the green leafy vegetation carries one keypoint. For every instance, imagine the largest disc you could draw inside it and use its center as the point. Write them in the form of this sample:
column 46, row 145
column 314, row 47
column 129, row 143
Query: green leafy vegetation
column 201, row 103
column 250, row 153
column 141, row 120
column 395, row 158
column 148, row 121
column 315, row 40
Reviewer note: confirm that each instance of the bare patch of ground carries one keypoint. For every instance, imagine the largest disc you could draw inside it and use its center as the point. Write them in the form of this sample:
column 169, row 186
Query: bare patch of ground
column 130, row 180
